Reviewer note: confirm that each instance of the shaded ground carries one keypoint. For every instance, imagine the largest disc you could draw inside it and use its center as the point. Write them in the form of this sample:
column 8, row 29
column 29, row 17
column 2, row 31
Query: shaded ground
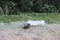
column 50, row 32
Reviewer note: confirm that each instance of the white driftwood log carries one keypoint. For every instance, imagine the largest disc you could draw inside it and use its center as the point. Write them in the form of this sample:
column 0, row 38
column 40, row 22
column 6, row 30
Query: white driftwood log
column 35, row 23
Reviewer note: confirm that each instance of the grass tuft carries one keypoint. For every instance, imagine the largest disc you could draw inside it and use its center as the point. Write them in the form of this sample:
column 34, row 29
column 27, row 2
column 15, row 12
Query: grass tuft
column 50, row 18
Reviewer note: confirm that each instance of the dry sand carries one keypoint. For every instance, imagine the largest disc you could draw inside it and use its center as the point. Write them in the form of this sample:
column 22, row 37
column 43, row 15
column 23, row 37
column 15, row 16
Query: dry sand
column 49, row 32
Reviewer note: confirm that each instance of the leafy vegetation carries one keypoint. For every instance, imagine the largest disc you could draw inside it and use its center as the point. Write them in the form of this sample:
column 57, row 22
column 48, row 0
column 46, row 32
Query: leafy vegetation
column 9, row 7
column 19, row 10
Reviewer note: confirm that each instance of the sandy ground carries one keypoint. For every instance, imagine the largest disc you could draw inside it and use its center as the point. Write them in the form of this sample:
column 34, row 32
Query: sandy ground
column 49, row 32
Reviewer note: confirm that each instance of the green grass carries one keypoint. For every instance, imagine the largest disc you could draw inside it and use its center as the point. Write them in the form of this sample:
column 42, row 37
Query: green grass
column 50, row 18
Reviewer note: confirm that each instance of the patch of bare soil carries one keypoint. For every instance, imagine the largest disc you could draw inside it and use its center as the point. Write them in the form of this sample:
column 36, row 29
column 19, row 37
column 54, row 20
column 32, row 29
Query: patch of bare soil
column 51, row 32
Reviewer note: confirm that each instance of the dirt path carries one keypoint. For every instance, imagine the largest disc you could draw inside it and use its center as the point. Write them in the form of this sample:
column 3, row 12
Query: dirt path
column 51, row 32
